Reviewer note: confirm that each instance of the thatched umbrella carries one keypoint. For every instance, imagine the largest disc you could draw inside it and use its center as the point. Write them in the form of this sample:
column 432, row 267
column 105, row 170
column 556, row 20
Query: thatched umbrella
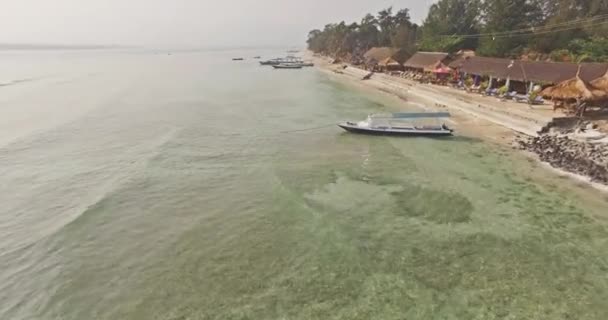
column 546, row 93
column 575, row 89
column 601, row 82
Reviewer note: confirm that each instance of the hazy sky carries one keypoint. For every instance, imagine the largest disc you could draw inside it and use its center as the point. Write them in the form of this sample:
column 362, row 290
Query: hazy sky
column 181, row 22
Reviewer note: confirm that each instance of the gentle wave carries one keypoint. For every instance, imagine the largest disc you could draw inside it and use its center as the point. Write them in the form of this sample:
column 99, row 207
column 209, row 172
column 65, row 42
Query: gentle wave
column 18, row 81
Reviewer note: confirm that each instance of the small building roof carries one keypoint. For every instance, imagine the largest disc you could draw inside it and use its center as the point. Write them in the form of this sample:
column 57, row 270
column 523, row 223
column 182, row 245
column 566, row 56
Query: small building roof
column 382, row 53
column 460, row 57
column 555, row 72
column 425, row 60
column 389, row 62
column 466, row 53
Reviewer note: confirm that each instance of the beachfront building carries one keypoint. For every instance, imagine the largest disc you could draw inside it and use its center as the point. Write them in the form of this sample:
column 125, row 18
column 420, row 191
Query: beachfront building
column 426, row 61
column 384, row 59
column 523, row 76
column 428, row 67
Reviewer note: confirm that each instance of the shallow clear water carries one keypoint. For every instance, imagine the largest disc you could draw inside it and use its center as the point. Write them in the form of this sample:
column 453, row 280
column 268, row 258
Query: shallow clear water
column 141, row 185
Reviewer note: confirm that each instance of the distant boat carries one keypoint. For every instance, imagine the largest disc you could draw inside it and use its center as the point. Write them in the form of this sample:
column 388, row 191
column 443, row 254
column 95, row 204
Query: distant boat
column 400, row 124
column 237, row 59
column 293, row 51
column 286, row 60
column 257, row 57
column 288, row 66
column 272, row 62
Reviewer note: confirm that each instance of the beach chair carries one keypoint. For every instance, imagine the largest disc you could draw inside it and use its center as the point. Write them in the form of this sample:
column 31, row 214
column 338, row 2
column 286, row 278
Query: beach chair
column 526, row 99
column 491, row 92
column 537, row 101
column 509, row 95
column 474, row 89
column 521, row 98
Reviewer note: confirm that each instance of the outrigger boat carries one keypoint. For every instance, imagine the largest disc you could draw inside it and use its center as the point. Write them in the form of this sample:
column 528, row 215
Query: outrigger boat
column 400, row 124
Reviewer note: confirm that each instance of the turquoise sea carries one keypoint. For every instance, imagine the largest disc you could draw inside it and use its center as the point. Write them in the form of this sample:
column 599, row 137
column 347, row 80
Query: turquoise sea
column 146, row 185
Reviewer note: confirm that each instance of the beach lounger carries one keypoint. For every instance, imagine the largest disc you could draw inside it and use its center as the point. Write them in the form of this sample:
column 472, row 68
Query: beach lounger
column 526, row 99
column 509, row 95
column 521, row 98
column 538, row 101
column 474, row 89
column 491, row 92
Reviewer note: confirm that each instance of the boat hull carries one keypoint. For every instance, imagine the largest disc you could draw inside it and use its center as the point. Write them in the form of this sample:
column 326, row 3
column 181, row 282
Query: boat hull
column 269, row 63
column 287, row 67
column 396, row 132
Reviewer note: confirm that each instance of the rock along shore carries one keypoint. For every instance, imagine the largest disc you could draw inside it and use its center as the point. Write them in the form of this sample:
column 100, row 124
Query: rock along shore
column 574, row 152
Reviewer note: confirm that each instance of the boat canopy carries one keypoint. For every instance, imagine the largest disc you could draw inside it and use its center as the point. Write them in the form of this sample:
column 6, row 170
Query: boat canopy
column 412, row 115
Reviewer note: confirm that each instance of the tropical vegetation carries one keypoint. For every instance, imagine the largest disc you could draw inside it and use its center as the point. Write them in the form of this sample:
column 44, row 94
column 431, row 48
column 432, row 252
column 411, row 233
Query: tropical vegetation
column 560, row 30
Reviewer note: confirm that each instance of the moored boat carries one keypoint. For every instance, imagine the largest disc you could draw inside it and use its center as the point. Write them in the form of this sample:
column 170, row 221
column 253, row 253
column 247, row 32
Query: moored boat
column 237, row 59
column 400, row 124
column 271, row 62
column 286, row 60
column 288, row 66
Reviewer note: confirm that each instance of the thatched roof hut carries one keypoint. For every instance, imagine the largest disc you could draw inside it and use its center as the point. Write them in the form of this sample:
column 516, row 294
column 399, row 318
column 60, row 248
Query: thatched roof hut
column 425, row 60
column 379, row 54
column 389, row 62
column 601, row 82
column 575, row 89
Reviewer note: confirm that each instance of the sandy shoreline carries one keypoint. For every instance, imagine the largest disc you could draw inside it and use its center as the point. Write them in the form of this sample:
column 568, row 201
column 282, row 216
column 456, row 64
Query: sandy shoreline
column 473, row 117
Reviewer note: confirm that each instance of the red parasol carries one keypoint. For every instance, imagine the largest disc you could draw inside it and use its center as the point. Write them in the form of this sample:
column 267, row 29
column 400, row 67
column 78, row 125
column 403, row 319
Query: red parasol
column 442, row 70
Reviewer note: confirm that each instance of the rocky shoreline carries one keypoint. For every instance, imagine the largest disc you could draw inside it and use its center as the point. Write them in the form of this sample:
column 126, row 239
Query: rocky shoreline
column 583, row 152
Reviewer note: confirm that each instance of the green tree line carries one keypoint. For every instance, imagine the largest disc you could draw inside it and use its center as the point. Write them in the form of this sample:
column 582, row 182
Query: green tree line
column 563, row 30
column 386, row 29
